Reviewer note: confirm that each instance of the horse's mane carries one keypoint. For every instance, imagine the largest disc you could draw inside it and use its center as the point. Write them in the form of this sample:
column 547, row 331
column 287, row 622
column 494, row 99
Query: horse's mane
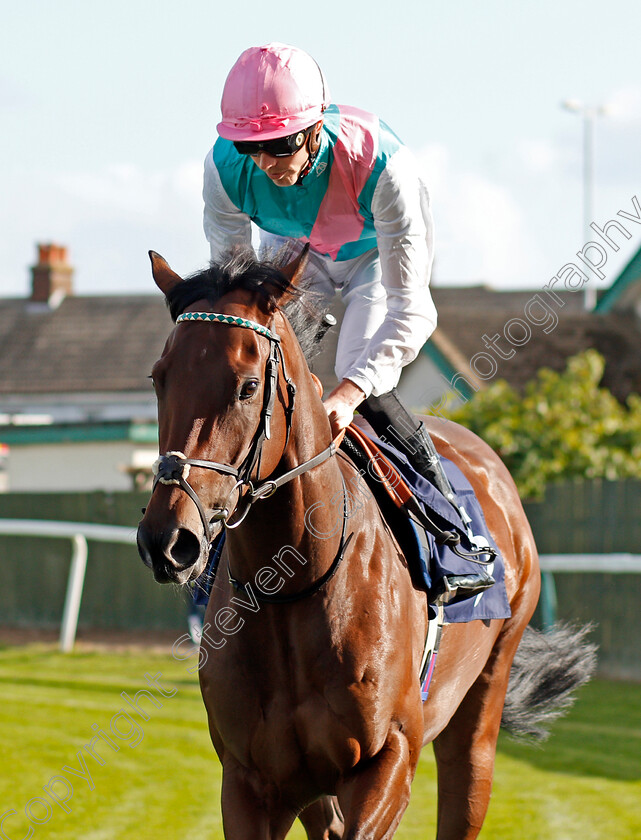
column 241, row 269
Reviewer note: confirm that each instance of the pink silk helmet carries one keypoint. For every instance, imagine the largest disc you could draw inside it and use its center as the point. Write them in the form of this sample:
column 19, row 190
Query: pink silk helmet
column 270, row 92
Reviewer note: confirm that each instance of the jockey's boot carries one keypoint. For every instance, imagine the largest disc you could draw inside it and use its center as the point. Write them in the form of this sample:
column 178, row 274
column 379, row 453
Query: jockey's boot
column 422, row 455
column 392, row 422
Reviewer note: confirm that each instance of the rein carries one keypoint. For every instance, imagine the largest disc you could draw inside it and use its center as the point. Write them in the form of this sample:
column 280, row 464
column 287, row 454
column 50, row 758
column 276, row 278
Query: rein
column 174, row 467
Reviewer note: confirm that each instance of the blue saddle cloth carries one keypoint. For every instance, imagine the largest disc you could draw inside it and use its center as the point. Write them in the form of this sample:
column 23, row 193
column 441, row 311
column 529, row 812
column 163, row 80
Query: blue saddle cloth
column 428, row 562
column 433, row 561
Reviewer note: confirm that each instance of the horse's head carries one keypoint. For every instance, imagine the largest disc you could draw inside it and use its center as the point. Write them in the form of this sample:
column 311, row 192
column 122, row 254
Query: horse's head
column 225, row 402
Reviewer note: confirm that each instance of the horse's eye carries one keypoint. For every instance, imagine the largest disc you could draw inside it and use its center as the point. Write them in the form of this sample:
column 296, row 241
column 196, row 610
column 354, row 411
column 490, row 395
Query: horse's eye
column 248, row 389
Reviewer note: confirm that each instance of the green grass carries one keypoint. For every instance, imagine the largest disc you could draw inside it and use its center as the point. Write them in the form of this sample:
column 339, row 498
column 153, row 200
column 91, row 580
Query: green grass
column 584, row 784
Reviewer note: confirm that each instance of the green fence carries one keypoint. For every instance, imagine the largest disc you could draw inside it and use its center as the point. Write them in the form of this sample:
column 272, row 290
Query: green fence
column 597, row 517
column 591, row 517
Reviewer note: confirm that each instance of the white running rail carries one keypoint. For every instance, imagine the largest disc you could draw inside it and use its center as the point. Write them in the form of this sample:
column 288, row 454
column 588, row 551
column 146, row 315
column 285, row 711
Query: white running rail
column 78, row 533
column 611, row 564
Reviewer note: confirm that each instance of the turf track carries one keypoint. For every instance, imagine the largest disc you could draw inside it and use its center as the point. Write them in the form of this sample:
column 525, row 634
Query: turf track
column 163, row 781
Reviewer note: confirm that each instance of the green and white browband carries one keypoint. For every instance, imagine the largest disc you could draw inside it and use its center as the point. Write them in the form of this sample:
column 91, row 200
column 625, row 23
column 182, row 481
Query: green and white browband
column 232, row 320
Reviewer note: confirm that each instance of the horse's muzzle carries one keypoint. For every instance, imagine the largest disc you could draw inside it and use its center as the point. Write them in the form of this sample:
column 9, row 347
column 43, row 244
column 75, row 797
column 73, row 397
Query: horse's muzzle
column 175, row 555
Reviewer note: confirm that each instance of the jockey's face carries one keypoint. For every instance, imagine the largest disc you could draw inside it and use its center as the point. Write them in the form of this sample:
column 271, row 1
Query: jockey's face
column 283, row 171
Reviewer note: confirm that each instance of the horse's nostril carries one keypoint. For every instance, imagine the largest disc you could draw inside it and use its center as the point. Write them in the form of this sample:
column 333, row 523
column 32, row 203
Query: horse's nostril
column 185, row 550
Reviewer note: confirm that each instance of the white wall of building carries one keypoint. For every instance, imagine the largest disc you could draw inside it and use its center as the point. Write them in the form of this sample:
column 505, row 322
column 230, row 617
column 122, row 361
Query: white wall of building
column 75, row 466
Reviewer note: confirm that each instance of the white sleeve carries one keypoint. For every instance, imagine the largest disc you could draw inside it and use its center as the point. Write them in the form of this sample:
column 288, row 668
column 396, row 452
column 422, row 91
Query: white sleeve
column 224, row 224
column 404, row 233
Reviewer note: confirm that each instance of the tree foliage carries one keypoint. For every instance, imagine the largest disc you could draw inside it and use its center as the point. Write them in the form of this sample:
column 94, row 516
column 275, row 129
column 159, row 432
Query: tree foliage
column 563, row 426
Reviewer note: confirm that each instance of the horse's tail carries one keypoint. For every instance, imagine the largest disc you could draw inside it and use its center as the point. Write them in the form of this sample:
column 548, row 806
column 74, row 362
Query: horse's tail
column 547, row 669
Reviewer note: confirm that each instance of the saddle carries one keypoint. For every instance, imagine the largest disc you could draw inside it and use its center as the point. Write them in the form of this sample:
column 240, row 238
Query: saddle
column 382, row 473
column 423, row 523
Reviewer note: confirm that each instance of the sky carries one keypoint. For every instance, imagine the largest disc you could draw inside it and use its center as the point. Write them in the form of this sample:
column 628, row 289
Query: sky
column 107, row 110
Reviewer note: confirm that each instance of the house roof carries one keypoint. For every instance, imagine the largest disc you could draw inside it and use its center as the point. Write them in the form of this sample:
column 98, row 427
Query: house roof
column 110, row 343
column 87, row 344
column 465, row 316
column 483, row 298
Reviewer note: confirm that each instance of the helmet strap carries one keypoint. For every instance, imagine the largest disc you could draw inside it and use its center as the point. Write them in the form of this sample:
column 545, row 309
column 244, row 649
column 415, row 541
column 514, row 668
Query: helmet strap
column 313, row 145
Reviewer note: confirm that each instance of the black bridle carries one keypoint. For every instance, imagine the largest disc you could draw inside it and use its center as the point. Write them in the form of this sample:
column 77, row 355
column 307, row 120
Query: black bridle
column 174, row 467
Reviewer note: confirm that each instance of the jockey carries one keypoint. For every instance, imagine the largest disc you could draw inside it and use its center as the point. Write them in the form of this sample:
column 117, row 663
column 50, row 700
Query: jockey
column 305, row 170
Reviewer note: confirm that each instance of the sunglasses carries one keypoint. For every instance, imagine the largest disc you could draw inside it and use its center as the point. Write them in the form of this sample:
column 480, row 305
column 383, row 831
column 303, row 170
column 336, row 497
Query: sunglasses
column 279, row 147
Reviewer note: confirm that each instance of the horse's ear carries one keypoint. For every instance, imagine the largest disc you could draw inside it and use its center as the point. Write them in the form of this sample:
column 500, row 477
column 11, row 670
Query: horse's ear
column 295, row 269
column 164, row 277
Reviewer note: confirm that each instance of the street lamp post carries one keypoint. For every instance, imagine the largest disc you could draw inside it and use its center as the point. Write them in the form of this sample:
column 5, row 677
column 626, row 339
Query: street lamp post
column 589, row 114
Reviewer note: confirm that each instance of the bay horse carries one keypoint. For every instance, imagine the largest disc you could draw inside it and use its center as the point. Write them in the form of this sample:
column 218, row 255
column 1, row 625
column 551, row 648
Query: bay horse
column 309, row 666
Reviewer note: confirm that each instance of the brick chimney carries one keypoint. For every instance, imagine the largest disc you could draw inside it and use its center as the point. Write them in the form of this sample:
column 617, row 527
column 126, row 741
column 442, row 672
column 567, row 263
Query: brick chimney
column 52, row 275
